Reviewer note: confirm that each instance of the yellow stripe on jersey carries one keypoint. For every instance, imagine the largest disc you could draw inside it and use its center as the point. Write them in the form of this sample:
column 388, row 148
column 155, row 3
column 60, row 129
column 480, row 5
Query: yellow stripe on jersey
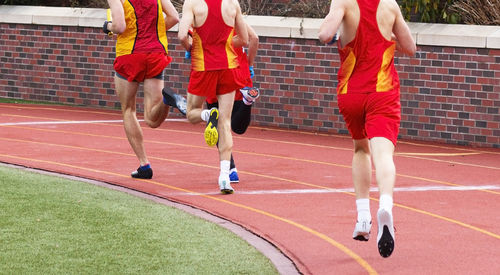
column 384, row 76
column 345, row 74
column 162, row 32
column 197, row 57
column 126, row 40
column 232, row 58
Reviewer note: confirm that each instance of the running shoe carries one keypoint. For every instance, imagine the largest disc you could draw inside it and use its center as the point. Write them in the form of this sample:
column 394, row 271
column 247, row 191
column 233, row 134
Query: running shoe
column 250, row 94
column 211, row 134
column 233, row 176
column 225, row 185
column 385, row 236
column 173, row 99
column 142, row 173
column 362, row 231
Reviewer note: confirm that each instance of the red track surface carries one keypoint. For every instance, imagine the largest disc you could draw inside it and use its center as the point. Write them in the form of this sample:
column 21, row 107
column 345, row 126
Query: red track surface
column 295, row 188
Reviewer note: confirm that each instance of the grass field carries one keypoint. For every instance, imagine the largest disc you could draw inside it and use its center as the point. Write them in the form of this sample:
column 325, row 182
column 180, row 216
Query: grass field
column 51, row 225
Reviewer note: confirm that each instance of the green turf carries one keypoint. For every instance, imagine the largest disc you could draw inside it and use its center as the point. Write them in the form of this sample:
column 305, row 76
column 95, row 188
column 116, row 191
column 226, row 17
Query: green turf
column 51, row 225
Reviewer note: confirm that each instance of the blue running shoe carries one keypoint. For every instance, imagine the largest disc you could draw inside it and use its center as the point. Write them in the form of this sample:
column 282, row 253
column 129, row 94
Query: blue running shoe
column 233, row 176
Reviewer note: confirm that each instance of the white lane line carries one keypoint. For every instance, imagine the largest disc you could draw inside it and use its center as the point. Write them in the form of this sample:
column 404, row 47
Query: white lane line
column 73, row 122
column 351, row 190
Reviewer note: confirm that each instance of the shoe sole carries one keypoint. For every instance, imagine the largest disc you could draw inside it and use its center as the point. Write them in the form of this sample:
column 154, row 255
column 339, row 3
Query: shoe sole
column 225, row 188
column 362, row 235
column 386, row 241
column 227, row 191
column 141, row 177
column 180, row 104
column 253, row 94
column 211, row 135
column 361, row 238
column 175, row 100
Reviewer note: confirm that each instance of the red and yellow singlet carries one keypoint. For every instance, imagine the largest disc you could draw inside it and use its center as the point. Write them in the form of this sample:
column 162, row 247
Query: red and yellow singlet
column 145, row 28
column 213, row 50
column 367, row 62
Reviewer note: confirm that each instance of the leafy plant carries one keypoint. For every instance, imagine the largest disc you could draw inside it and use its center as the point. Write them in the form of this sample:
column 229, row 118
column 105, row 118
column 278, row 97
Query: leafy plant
column 429, row 11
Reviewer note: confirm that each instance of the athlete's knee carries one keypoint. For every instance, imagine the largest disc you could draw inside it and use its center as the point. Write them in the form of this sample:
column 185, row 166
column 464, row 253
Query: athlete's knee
column 193, row 117
column 152, row 124
column 361, row 146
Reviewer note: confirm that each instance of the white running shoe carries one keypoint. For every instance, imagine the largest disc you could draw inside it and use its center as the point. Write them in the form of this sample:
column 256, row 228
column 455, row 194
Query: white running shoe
column 362, row 230
column 385, row 236
column 250, row 94
column 225, row 184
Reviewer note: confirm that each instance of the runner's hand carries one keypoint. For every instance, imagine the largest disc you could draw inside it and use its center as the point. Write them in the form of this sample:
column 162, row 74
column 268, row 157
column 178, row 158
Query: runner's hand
column 334, row 39
column 252, row 72
column 105, row 28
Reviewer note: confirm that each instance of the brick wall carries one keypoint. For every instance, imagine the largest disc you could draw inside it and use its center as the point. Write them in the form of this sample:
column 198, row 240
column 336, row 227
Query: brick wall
column 448, row 94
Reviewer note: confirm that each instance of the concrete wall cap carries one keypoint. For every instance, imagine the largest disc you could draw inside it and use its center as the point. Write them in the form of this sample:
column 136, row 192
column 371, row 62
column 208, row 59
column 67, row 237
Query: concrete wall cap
column 425, row 34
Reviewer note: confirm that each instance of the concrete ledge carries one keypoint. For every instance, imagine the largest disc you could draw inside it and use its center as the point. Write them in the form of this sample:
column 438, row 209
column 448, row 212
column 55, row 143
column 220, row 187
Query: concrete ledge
column 286, row 27
column 473, row 36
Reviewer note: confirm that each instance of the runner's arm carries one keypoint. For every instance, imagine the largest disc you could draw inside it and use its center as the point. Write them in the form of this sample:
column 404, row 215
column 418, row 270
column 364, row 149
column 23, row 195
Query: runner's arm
column 172, row 17
column 404, row 40
column 332, row 21
column 118, row 16
column 240, row 27
column 253, row 45
column 185, row 23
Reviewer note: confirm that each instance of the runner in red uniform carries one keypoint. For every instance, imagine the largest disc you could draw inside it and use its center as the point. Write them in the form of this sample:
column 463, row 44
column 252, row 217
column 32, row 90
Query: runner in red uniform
column 244, row 99
column 368, row 98
column 214, row 69
column 141, row 56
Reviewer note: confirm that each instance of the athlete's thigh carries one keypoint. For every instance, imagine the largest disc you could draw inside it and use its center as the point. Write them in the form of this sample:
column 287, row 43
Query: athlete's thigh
column 194, row 101
column 226, row 102
column 152, row 93
column 126, row 92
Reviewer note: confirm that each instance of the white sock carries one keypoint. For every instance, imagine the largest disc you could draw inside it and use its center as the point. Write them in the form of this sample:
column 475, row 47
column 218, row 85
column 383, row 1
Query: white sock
column 386, row 202
column 363, row 207
column 205, row 115
column 224, row 167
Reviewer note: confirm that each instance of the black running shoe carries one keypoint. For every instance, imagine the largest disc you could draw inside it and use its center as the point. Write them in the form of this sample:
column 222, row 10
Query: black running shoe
column 142, row 173
column 175, row 100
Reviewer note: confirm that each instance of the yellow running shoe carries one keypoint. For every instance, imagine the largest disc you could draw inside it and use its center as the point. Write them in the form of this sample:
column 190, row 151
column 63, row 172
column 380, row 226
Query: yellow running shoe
column 211, row 134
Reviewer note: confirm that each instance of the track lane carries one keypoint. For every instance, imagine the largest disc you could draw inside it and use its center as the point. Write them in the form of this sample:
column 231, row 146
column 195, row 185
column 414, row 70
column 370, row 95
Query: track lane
column 333, row 222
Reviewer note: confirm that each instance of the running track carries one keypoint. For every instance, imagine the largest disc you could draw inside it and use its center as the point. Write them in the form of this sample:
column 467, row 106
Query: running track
column 295, row 188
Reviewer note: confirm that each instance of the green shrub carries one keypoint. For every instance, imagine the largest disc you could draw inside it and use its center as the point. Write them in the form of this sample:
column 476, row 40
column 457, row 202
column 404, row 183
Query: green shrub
column 429, row 11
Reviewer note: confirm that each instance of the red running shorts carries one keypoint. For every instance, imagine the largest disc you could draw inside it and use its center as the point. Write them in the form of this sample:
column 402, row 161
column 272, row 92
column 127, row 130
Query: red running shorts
column 140, row 66
column 209, row 84
column 370, row 115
